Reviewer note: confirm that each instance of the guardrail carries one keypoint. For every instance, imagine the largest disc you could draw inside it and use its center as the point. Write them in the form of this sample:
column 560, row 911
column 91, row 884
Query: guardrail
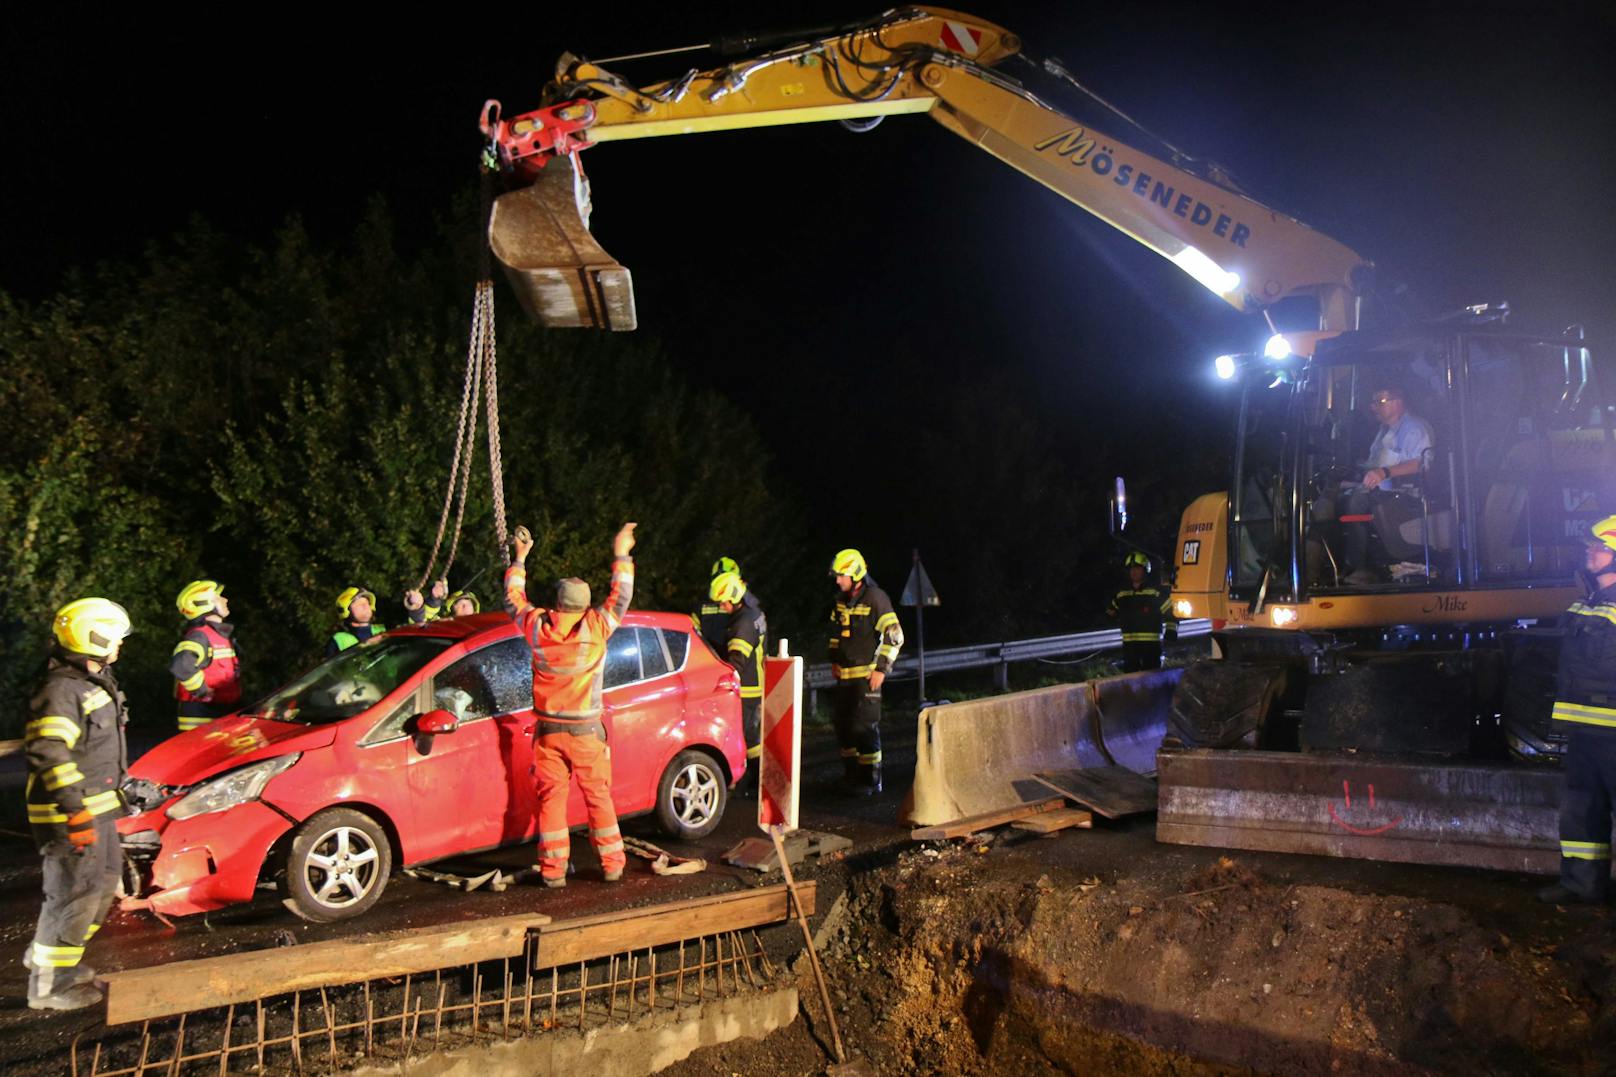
column 981, row 655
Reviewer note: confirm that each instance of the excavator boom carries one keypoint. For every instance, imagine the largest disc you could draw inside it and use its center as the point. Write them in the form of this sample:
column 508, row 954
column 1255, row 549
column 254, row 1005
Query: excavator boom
column 931, row 61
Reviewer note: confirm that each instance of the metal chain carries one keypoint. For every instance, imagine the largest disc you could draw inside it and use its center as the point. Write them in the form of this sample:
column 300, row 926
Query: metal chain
column 483, row 311
column 496, row 464
column 474, row 353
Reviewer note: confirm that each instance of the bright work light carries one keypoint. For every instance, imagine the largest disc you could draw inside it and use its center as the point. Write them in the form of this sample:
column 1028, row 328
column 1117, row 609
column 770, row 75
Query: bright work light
column 1224, row 365
column 1277, row 348
column 1208, row 272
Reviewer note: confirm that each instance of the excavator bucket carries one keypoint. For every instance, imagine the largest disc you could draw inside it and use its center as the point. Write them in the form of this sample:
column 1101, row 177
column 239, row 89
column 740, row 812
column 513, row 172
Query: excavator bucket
column 562, row 277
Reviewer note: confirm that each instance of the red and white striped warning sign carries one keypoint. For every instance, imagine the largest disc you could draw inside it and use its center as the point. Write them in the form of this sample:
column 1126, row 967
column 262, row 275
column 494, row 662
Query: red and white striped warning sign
column 780, row 764
column 957, row 37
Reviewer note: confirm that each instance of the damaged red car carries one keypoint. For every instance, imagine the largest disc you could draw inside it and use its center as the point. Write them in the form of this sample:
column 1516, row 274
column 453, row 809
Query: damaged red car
column 411, row 747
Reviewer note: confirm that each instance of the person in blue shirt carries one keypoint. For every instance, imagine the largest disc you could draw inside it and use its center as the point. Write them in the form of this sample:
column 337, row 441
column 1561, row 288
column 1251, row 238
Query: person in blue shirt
column 1395, row 458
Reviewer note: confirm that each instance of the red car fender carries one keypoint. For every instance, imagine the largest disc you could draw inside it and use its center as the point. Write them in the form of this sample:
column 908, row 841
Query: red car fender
column 204, row 865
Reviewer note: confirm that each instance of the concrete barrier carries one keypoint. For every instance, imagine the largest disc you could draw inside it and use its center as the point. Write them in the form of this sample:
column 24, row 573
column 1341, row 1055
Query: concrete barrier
column 978, row 756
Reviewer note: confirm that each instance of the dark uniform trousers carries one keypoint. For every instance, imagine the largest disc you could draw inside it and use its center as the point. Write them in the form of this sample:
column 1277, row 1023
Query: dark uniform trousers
column 1140, row 655
column 1585, row 807
column 752, row 727
column 80, row 886
column 857, row 715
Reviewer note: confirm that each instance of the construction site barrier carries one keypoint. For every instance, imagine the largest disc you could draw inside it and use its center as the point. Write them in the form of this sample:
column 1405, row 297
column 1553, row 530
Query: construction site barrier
column 979, row 756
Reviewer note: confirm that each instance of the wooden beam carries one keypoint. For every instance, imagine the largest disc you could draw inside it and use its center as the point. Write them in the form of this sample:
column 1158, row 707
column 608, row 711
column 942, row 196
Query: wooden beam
column 569, row 941
column 972, row 823
column 183, row 986
column 1050, row 821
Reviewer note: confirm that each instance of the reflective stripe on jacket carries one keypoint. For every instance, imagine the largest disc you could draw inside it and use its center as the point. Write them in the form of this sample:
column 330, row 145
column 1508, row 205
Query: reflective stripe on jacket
column 865, row 636
column 205, row 664
column 75, row 747
column 1142, row 614
column 745, row 642
column 1585, row 691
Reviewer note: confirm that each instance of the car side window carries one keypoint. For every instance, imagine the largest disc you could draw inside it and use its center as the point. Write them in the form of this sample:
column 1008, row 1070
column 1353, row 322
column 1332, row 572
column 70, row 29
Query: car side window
column 510, row 672
column 494, row 680
column 622, row 658
column 678, row 645
column 653, row 663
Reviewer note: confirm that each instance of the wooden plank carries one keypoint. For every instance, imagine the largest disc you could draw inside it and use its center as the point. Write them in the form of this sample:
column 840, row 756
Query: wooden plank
column 1050, row 821
column 972, row 823
column 183, row 986
column 1111, row 791
column 570, row 941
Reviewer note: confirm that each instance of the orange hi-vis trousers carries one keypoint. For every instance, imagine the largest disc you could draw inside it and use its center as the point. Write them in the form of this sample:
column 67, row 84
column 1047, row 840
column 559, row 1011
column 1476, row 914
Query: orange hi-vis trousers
column 558, row 757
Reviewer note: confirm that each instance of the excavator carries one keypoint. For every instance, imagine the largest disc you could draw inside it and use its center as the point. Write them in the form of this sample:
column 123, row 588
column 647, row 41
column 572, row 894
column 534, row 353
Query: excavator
column 1422, row 677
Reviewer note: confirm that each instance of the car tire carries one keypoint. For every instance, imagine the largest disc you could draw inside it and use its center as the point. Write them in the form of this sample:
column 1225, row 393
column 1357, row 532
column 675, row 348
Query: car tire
column 337, row 866
column 691, row 796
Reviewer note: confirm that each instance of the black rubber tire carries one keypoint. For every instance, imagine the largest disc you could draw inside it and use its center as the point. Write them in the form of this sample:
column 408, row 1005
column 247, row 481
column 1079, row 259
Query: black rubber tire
column 329, row 834
column 1222, row 704
column 1528, row 702
column 691, row 796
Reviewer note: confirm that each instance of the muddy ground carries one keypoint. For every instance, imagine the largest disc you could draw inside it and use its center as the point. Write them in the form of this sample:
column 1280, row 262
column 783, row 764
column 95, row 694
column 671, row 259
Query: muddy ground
column 1066, row 954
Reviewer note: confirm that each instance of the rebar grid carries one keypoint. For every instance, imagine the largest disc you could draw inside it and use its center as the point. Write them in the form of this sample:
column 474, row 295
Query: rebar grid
column 463, row 1004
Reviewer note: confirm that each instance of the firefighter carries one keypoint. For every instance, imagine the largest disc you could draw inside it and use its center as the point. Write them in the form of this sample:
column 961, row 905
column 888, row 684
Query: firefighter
column 357, row 607
column 429, row 607
column 744, row 645
column 1144, row 614
column 461, row 604
column 568, row 642
column 206, row 664
column 76, row 760
column 710, row 622
column 1585, row 700
column 865, row 638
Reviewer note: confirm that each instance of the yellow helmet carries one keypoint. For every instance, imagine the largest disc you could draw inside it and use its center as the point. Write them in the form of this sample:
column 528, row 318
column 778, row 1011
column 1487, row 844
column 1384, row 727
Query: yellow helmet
column 449, row 603
column 91, row 626
column 723, row 565
column 198, row 598
column 849, row 563
column 1604, row 532
column 345, row 600
column 727, row 587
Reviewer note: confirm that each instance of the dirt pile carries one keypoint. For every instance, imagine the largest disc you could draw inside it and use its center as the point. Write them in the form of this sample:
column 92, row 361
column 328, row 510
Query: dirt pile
column 952, row 964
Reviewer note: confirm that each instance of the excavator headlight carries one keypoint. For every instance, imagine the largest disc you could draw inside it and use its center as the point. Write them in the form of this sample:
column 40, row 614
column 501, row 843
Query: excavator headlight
column 1278, row 348
column 1282, row 616
column 1225, row 366
column 1183, row 609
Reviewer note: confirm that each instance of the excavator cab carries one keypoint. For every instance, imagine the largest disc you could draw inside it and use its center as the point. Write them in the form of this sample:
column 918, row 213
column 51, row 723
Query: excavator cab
column 1515, row 447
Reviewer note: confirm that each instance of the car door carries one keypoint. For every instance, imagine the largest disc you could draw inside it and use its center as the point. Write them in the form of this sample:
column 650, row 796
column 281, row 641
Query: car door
column 464, row 793
column 644, row 699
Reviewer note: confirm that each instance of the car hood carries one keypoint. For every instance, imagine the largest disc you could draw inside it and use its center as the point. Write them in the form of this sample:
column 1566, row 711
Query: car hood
column 223, row 745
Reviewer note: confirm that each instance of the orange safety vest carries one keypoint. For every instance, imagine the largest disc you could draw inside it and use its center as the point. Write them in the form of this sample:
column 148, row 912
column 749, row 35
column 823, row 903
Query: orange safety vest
column 568, row 669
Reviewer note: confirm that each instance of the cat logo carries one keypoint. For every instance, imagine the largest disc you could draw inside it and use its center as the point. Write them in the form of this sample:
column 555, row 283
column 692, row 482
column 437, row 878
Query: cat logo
column 1192, row 552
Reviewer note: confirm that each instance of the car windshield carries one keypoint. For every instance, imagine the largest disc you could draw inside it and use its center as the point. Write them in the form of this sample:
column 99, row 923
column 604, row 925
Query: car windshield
column 350, row 682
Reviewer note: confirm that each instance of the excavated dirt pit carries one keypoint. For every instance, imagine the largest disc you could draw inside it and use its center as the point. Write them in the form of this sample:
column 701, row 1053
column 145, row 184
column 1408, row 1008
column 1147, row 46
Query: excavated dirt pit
column 973, row 960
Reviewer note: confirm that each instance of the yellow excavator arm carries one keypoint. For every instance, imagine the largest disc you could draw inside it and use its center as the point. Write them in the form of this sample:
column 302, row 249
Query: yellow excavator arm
column 931, row 61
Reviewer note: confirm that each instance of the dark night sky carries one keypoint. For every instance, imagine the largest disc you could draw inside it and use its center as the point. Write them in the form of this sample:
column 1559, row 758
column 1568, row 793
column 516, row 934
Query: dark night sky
column 1468, row 149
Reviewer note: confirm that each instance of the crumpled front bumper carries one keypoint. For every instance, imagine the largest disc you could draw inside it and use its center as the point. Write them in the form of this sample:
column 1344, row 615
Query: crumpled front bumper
column 202, row 863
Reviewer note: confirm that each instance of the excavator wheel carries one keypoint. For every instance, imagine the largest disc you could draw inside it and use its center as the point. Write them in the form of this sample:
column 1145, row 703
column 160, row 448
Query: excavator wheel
column 1224, row 704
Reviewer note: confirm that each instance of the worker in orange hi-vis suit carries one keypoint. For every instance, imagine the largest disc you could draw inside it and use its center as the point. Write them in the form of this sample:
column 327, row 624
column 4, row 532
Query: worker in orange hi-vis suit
column 569, row 656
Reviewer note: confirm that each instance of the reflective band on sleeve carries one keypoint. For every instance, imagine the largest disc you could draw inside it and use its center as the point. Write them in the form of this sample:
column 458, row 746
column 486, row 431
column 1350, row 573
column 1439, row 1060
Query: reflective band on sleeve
column 742, row 647
column 193, row 682
column 101, row 803
column 1603, row 609
column 1585, row 713
column 45, row 813
column 884, row 620
column 870, row 759
column 191, row 646
column 55, row 727
column 1585, row 850
column 62, row 774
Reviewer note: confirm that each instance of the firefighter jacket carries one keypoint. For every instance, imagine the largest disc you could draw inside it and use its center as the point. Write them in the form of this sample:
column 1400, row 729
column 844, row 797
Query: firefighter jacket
column 1585, row 692
column 205, row 664
column 568, row 667
column 1142, row 614
column 348, row 634
column 75, row 746
column 431, row 609
column 712, row 623
column 744, row 646
column 865, row 636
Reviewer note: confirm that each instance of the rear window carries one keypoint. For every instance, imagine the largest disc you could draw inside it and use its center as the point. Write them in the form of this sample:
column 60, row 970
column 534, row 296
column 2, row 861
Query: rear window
column 678, row 645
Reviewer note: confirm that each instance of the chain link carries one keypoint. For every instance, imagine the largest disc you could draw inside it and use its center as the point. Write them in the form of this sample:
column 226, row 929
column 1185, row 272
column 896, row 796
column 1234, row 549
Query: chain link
column 474, row 358
column 496, row 464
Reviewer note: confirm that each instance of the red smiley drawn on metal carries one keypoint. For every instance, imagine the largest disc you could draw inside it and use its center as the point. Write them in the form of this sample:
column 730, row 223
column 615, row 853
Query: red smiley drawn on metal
column 1363, row 832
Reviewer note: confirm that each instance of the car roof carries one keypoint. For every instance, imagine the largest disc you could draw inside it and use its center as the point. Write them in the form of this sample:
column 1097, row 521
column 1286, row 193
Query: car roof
column 495, row 625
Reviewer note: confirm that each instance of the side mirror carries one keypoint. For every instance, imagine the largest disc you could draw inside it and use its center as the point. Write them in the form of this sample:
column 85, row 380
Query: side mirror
column 432, row 723
column 1119, row 507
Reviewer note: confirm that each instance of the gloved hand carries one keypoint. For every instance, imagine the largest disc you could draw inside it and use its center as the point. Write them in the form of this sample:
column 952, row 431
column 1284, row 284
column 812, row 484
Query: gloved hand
column 81, row 829
column 203, row 694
